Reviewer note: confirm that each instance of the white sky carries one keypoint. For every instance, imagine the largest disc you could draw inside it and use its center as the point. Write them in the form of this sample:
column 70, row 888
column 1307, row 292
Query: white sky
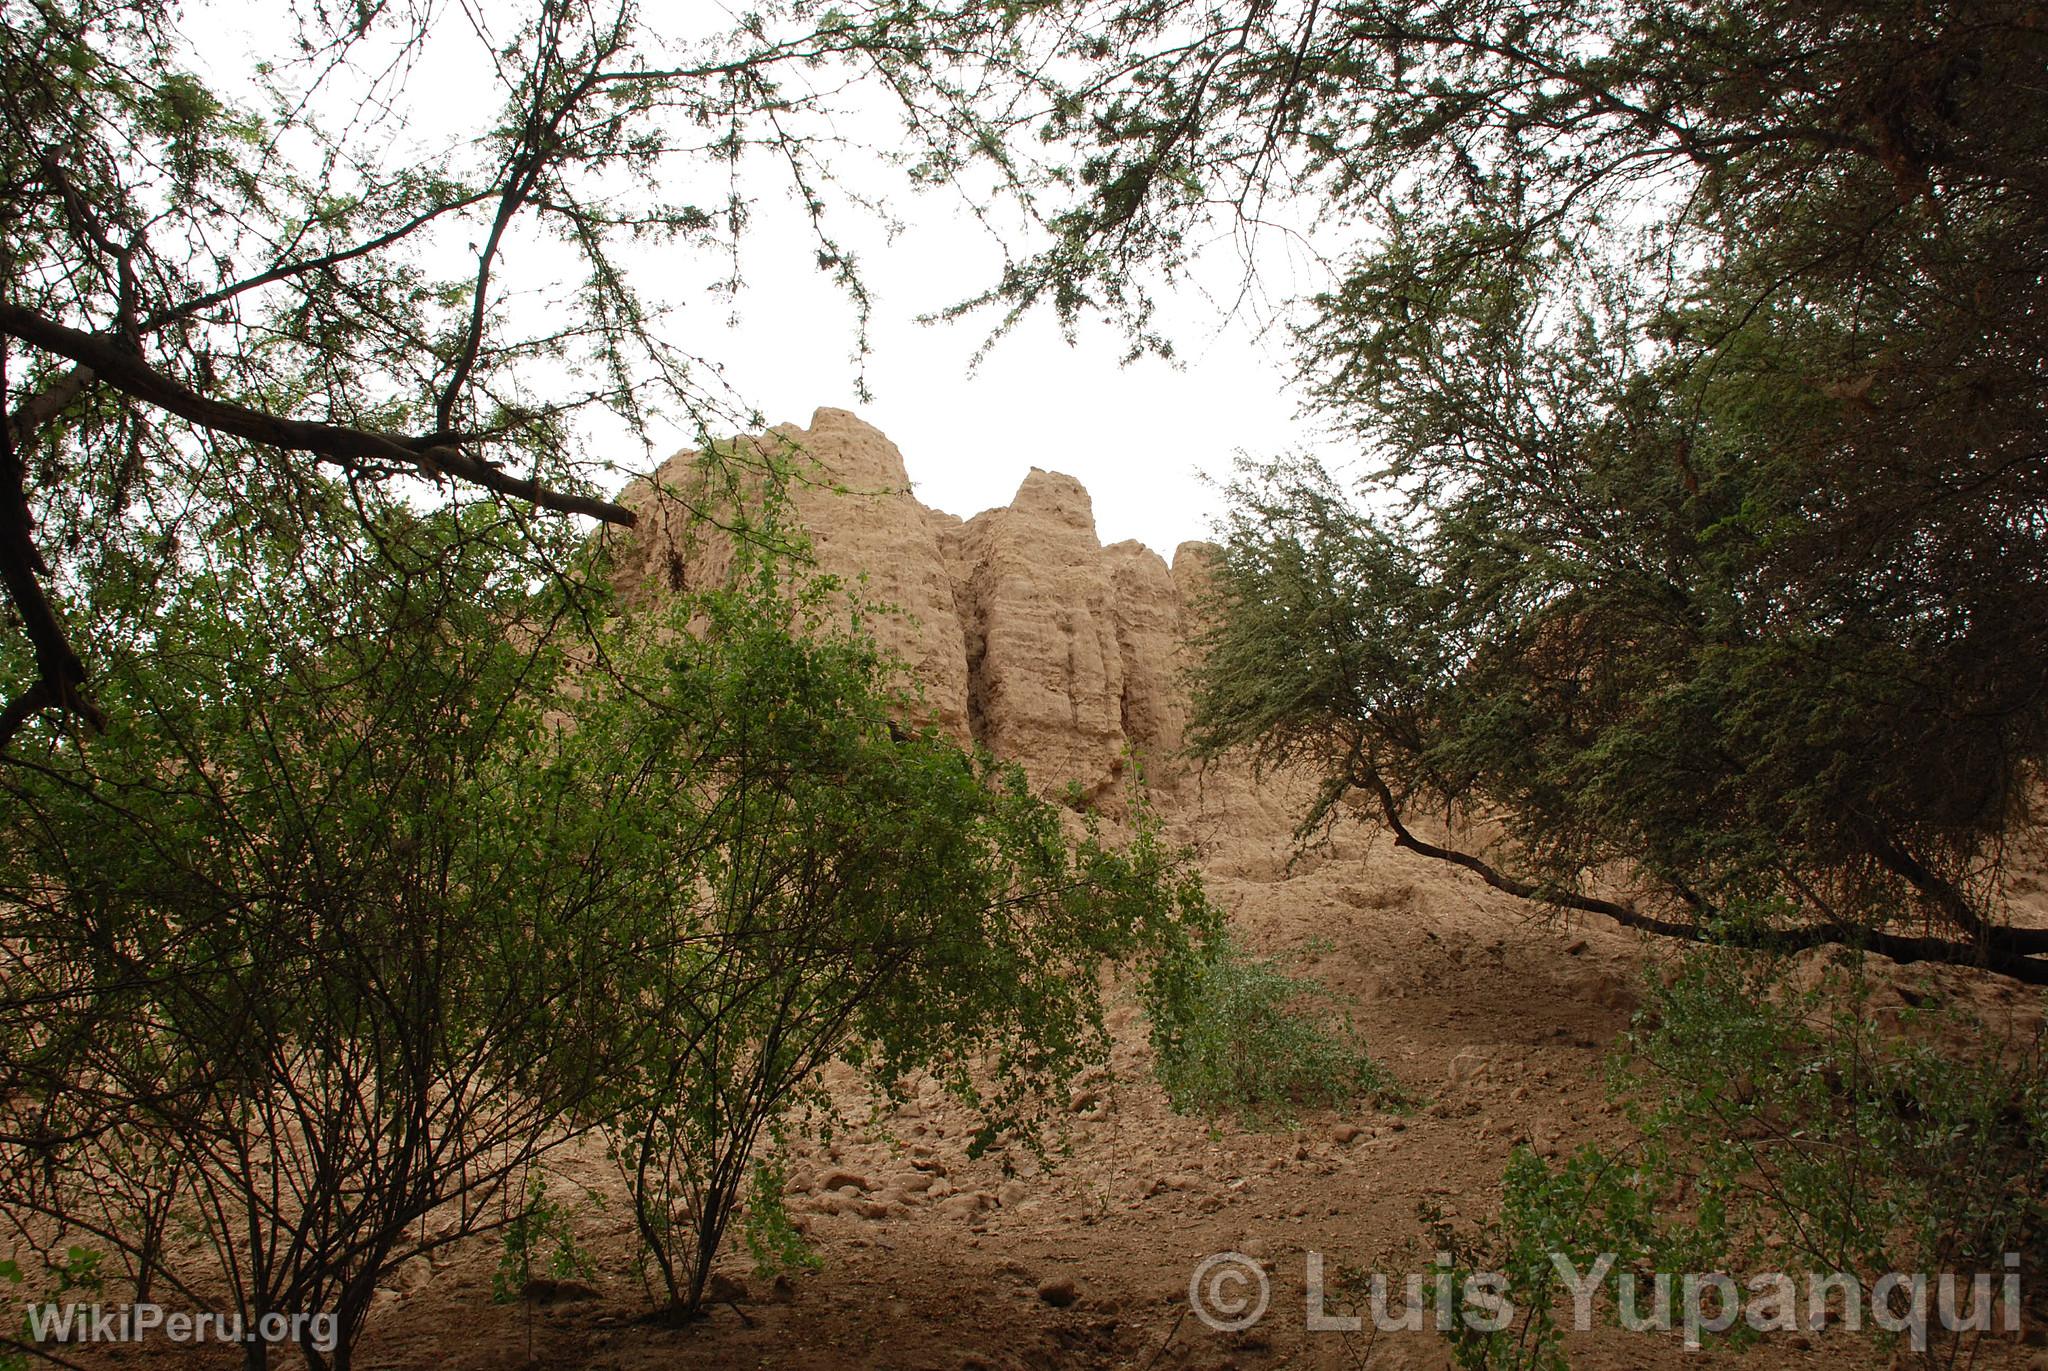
column 1139, row 437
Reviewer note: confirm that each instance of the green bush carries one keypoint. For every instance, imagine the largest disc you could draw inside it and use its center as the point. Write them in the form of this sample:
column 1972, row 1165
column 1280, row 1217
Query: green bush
column 1859, row 1145
column 1785, row 1125
column 1232, row 1032
column 815, row 881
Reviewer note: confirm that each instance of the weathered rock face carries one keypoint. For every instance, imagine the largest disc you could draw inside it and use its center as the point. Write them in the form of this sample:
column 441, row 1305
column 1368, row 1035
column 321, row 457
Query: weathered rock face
column 1038, row 617
column 864, row 526
column 1150, row 635
column 1027, row 634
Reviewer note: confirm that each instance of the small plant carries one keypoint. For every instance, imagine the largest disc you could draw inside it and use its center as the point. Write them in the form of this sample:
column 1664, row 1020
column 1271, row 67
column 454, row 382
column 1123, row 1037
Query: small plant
column 540, row 1241
column 1778, row 1114
column 1605, row 1215
column 1234, row 1032
column 1918, row 1144
column 772, row 1240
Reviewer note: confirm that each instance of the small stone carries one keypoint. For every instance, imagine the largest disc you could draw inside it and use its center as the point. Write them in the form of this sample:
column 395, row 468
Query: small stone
column 962, row 1206
column 1058, row 1291
column 1577, row 948
column 1344, row 1133
column 1083, row 1101
column 1012, row 1193
column 840, row 1179
column 1469, row 1066
column 939, row 1188
column 541, row 1290
column 724, row 1289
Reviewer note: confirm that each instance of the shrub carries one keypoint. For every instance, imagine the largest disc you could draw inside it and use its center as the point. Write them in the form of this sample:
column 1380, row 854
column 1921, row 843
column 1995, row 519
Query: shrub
column 1232, row 1032
column 817, row 881
column 1783, row 1125
column 297, row 951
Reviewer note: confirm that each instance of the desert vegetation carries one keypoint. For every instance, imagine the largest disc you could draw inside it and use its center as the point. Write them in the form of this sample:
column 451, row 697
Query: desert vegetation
column 411, row 834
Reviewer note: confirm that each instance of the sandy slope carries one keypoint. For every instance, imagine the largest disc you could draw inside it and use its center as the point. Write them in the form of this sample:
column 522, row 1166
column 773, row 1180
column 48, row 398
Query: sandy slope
column 1497, row 1022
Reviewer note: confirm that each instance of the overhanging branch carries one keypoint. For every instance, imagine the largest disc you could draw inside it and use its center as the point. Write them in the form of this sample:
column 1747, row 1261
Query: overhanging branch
column 60, row 675
column 2002, row 959
column 127, row 371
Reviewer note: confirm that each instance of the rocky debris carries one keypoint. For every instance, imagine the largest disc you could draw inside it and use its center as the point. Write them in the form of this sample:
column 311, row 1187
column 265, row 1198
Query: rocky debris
column 965, row 1205
column 542, row 1290
column 1469, row 1066
column 724, row 1289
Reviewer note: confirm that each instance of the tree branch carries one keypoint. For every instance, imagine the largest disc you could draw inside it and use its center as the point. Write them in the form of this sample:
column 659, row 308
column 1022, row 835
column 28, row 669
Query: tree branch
column 2005, row 961
column 60, row 675
column 127, row 371
column 45, row 405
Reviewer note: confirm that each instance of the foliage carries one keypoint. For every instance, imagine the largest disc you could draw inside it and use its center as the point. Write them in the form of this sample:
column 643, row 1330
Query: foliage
column 1867, row 1140
column 1694, row 355
column 771, row 1239
column 396, row 247
column 539, row 1242
column 1600, row 1214
column 1783, row 1124
column 374, row 890
column 294, row 957
column 820, row 882
column 1234, row 1032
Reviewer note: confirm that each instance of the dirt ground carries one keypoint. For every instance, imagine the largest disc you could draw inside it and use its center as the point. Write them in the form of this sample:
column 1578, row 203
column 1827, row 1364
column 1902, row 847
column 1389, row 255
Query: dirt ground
column 1496, row 1022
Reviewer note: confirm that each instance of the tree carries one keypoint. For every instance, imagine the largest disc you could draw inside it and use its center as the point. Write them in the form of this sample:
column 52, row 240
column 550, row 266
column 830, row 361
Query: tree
column 815, row 881
column 1697, row 357
column 211, row 289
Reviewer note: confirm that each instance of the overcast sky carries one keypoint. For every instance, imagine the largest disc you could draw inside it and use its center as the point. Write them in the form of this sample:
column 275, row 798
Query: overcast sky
column 1138, row 436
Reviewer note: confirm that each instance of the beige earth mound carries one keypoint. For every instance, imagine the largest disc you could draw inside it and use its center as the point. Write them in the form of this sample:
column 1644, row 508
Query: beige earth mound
column 1064, row 655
